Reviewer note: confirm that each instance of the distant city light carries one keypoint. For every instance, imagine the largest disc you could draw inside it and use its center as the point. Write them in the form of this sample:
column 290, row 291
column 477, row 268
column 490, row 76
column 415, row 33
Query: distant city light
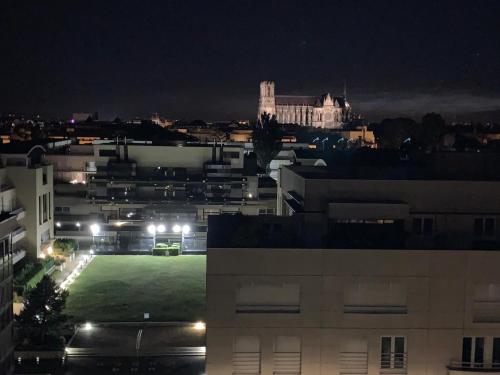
column 176, row 228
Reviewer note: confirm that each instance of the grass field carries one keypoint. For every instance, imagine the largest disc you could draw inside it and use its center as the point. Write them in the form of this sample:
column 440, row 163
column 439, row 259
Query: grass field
column 124, row 287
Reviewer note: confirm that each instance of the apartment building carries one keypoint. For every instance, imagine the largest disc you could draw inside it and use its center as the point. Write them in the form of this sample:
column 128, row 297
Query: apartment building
column 126, row 186
column 370, row 269
column 12, row 250
column 29, row 194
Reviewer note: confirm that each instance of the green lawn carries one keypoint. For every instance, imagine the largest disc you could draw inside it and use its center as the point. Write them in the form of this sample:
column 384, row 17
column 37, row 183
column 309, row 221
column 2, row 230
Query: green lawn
column 123, row 287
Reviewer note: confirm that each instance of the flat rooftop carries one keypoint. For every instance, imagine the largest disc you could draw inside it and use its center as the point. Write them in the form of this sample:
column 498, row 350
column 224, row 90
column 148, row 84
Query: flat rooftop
column 392, row 165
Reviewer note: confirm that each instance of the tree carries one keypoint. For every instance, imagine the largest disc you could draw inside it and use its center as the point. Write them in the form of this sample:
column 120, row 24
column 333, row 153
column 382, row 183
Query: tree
column 432, row 129
column 266, row 140
column 41, row 322
column 393, row 132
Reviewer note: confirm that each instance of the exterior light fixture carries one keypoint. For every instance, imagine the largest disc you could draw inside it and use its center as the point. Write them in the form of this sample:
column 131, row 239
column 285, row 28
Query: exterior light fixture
column 50, row 250
column 160, row 228
column 77, row 224
column 186, row 229
column 88, row 326
column 176, row 228
column 58, row 224
column 95, row 229
column 151, row 229
column 199, row 326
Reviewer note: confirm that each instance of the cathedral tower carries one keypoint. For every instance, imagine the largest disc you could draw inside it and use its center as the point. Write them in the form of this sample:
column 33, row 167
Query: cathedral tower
column 267, row 102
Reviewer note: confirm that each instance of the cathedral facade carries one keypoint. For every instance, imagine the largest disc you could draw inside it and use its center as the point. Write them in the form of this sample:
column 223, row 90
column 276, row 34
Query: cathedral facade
column 322, row 111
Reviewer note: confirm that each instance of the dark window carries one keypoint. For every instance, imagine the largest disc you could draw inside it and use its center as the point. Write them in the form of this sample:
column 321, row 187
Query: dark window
column 466, row 350
column 428, row 224
column 417, row 226
column 489, row 227
column 231, row 155
column 44, row 207
column 496, row 352
column 484, row 227
column 44, row 179
column 399, row 352
column 111, row 152
column 385, row 352
column 478, row 227
column 479, row 350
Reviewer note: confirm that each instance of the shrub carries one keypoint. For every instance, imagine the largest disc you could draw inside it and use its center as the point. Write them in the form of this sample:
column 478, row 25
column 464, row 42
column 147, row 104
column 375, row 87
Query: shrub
column 64, row 247
column 173, row 251
column 161, row 245
column 159, row 252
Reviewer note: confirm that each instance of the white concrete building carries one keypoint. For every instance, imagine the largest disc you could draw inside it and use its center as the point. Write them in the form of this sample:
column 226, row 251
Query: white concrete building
column 32, row 180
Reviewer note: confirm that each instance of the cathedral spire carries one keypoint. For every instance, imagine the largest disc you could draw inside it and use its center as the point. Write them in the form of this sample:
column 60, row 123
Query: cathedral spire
column 345, row 90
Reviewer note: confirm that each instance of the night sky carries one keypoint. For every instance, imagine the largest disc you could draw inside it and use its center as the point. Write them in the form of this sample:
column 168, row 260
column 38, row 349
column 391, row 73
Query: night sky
column 204, row 59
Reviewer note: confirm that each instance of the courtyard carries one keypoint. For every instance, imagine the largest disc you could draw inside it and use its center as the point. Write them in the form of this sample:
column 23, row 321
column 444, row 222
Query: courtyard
column 121, row 288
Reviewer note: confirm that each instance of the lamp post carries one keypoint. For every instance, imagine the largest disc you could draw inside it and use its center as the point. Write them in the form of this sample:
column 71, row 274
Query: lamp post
column 94, row 229
column 152, row 231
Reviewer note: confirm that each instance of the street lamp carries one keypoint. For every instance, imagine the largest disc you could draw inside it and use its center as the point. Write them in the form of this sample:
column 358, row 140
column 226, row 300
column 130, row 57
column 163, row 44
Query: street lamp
column 95, row 229
column 152, row 231
column 161, row 228
column 186, row 229
column 176, row 228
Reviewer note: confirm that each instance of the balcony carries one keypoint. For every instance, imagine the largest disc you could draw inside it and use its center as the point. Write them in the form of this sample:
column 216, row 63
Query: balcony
column 20, row 212
column 18, row 234
column 18, row 255
column 394, row 363
column 457, row 367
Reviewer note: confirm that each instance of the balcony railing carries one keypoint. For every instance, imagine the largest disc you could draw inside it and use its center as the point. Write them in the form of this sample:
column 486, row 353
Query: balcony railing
column 457, row 365
column 393, row 363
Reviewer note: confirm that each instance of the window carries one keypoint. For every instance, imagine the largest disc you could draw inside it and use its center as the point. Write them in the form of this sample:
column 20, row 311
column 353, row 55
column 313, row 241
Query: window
column 268, row 298
column 50, row 208
column 375, row 297
column 44, row 207
column 495, row 357
column 231, row 155
column 486, row 307
column 423, row 226
column 45, row 236
column 44, row 177
column 246, row 355
column 40, row 210
column 393, row 352
column 484, row 227
column 287, row 357
column 472, row 351
column 111, row 152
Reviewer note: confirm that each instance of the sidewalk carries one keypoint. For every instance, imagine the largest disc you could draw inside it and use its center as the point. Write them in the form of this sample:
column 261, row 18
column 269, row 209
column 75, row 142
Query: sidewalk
column 74, row 267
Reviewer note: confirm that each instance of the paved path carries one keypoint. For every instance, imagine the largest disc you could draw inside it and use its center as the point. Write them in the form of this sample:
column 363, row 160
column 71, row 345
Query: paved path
column 73, row 268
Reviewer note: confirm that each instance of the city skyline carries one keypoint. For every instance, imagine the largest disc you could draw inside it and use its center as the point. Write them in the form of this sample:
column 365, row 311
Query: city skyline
column 190, row 60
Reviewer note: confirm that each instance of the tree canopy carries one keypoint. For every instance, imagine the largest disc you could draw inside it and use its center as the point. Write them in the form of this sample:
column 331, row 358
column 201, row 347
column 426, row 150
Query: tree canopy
column 266, row 140
column 42, row 321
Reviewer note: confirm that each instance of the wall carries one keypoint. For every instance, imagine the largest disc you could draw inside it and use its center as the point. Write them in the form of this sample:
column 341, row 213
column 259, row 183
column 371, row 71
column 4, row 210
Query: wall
column 439, row 291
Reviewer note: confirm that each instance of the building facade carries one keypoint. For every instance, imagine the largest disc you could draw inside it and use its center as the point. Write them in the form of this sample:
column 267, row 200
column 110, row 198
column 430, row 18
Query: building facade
column 369, row 270
column 12, row 250
column 127, row 186
column 34, row 196
column 324, row 111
